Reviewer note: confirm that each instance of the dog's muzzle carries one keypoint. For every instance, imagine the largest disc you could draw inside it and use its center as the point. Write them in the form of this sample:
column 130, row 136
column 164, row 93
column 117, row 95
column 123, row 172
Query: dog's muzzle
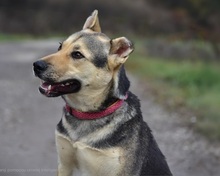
column 51, row 88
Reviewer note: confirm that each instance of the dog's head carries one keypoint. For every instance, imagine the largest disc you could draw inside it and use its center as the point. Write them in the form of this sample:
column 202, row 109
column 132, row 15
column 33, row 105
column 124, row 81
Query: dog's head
column 87, row 61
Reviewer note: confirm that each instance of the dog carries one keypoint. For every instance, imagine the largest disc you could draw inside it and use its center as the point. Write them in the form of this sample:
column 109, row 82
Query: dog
column 102, row 132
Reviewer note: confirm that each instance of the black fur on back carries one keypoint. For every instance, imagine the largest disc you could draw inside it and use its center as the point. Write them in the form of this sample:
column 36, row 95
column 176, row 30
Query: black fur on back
column 147, row 158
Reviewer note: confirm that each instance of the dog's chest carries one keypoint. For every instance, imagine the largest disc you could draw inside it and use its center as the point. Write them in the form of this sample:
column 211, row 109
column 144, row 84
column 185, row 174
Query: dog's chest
column 96, row 162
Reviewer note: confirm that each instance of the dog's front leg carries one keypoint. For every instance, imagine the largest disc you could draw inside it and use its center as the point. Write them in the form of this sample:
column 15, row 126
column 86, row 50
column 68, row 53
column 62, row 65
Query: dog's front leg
column 64, row 171
column 66, row 156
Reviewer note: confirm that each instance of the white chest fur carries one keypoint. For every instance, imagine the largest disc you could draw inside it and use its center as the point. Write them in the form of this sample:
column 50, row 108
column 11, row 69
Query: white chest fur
column 87, row 161
column 97, row 162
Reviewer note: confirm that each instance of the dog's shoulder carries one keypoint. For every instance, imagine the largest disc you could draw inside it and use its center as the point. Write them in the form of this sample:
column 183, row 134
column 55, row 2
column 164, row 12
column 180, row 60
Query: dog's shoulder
column 148, row 155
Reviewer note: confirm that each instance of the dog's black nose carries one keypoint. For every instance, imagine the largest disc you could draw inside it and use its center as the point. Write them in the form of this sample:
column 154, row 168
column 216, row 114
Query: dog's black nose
column 40, row 66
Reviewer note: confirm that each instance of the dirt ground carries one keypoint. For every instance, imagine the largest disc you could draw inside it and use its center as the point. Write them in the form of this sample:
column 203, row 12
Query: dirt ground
column 28, row 120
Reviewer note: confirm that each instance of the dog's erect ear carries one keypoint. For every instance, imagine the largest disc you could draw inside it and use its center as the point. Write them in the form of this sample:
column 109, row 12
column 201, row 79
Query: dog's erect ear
column 120, row 48
column 92, row 22
column 119, row 51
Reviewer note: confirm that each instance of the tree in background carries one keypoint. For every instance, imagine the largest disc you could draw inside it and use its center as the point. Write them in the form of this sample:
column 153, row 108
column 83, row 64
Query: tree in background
column 204, row 16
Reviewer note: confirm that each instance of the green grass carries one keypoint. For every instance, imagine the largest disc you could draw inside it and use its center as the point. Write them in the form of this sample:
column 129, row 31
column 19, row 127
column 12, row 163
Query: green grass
column 9, row 37
column 194, row 85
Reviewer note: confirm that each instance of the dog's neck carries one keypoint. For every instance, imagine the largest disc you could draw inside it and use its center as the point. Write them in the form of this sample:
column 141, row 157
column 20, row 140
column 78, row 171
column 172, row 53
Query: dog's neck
column 87, row 101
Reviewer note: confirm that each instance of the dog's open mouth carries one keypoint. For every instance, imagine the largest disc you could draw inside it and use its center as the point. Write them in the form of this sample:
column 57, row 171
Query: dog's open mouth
column 56, row 89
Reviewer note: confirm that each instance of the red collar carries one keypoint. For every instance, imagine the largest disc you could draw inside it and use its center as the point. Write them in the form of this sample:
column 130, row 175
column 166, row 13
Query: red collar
column 94, row 115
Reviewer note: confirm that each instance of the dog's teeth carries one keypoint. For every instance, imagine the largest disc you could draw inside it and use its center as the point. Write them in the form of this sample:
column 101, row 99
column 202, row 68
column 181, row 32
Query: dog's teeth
column 62, row 85
column 67, row 84
column 49, row 87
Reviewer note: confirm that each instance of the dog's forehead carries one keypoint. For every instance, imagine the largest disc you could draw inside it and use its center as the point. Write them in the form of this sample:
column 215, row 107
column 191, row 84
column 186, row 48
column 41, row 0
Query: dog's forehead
column 97, row 44
column 89, row 38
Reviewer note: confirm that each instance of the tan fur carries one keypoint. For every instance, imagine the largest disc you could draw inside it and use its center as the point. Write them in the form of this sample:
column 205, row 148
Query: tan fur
column 93, row 22
column 88, row 161
column 75, row 155
column 65, row 68
column 88, row 73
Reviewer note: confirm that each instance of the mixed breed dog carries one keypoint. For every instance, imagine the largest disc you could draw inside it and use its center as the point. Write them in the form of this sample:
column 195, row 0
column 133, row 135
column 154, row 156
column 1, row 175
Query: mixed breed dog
column 102, row 132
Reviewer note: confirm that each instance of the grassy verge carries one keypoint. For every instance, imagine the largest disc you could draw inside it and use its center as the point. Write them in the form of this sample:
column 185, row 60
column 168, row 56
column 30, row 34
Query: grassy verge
column 9, row 37
column 194, row 85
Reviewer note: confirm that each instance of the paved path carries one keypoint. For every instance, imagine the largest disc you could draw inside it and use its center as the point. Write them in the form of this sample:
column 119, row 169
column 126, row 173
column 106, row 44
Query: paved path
column 28, row 120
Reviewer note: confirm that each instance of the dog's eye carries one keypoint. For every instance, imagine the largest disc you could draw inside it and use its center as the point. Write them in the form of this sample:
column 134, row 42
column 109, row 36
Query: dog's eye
column 60, row 47
column 77, row 55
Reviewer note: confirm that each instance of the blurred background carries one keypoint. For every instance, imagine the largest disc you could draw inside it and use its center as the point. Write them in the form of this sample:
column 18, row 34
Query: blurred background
column 177, row 54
